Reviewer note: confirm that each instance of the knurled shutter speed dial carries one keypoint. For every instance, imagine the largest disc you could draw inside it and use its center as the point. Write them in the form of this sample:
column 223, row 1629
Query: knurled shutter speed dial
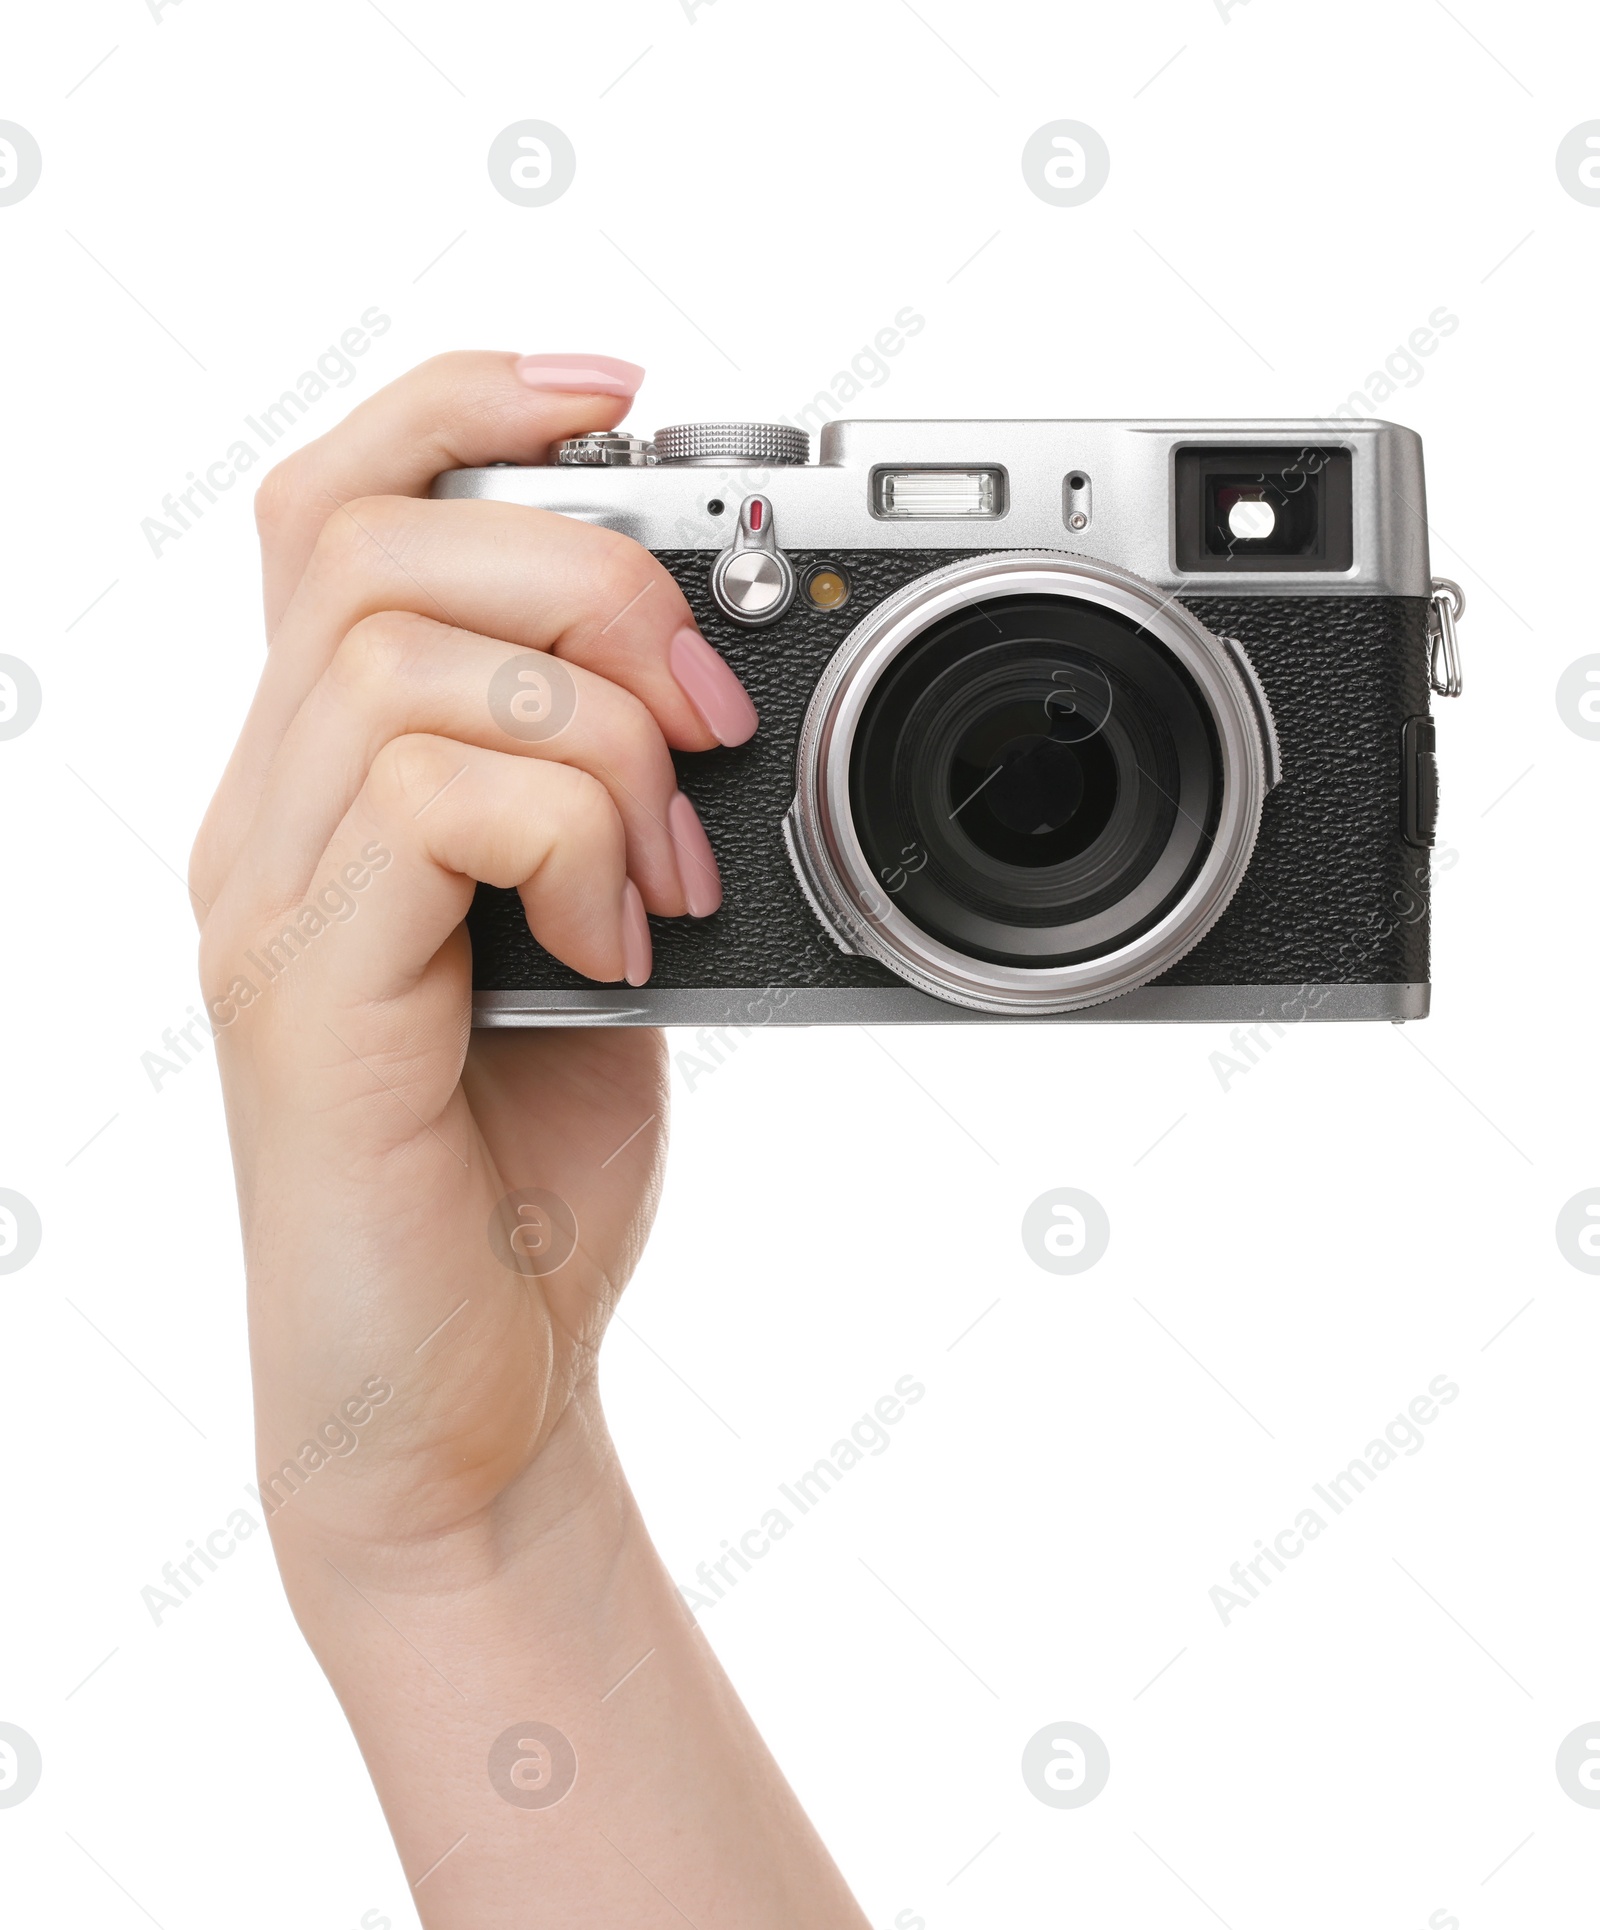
column 727, row 445
column 756, row 444
column 752, row 581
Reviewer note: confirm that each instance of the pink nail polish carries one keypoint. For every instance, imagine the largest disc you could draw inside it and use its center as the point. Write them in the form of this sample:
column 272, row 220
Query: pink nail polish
column 637, row 957
column 712, row 688
column 580, row 374
column 697, row 867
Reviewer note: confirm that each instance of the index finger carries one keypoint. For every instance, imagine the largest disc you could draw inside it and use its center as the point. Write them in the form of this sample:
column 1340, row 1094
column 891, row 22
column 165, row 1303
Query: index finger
column 459, row 411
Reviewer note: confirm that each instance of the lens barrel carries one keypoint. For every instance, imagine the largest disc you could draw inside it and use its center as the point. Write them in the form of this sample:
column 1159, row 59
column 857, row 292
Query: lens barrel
column 1029, row 782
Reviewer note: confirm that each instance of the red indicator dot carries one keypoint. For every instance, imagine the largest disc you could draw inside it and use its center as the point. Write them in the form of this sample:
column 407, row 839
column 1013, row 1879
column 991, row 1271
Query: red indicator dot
column 756, row 509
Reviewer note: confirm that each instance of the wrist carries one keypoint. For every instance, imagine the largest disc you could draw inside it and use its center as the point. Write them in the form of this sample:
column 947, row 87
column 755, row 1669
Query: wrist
column 542, row 1716
column 551, row 1542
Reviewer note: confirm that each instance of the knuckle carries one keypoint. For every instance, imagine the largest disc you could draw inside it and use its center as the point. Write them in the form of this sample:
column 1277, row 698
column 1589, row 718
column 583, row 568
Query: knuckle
column 454, row 370
column 480, row 396
column 278, row 495
column 212, row 854
column 408, row 771
column 210, row 959
column 584, row 795
column 219, row 960
column 203, row 876
column 376, row 655
column 639, row 746
column 205, row 862
column 339, row 541
column 382, row 516
column 582, row 811
column 359, row 533
column 622, row 572
column 564, row 799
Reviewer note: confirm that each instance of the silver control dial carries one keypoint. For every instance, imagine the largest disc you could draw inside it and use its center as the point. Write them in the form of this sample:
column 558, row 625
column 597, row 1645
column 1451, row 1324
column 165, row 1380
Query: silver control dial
column 605, row 449
column 733, row 444
column 753, row 581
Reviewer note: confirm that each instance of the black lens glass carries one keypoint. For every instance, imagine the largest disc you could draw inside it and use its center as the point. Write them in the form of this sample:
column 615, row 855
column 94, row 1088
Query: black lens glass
column 1034, row 780
column 1025, row 791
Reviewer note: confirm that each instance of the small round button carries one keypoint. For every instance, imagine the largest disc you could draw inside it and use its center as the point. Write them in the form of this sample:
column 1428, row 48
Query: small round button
column 753, row 584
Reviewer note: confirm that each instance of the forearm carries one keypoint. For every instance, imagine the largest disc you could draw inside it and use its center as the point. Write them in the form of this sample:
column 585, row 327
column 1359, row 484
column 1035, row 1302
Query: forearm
column 468, row 1669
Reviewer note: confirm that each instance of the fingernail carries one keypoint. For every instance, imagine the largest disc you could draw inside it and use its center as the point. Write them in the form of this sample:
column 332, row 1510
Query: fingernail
column 581, row 374
column 636, row 953
column 697, row 866
column 712, row 688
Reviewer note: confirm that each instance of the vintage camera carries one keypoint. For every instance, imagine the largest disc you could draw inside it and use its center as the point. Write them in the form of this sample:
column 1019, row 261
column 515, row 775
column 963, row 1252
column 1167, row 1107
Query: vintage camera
column 1097, row 720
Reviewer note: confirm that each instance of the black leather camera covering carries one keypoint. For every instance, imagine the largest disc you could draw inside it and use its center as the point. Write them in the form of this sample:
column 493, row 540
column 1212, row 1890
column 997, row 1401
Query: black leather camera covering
column 1334, row 893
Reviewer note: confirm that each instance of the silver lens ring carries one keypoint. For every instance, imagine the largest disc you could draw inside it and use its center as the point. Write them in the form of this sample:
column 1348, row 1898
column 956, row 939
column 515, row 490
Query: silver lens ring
column 837, row 876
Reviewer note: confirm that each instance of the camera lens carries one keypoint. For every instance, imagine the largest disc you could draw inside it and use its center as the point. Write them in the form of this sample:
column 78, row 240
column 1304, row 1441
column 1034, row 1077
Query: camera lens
column 1029, row 782
column 1033, row 781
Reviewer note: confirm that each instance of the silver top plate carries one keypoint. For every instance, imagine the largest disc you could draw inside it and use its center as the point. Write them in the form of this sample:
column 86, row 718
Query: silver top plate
column 829, row 505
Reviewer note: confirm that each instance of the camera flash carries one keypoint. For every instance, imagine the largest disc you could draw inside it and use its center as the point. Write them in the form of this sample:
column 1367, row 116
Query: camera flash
column 937, row 492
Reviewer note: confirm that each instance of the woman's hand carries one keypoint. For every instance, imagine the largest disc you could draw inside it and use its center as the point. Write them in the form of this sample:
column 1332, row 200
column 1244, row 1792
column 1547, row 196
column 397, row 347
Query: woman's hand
column 375, row 780
column 437, row 1224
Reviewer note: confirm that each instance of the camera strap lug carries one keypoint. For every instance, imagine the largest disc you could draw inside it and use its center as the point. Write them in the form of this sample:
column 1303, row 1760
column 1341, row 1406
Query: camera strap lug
column 1446, row 607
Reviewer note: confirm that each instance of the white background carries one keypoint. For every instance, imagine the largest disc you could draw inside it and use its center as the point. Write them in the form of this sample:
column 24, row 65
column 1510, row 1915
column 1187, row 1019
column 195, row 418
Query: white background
column 1297, row 1257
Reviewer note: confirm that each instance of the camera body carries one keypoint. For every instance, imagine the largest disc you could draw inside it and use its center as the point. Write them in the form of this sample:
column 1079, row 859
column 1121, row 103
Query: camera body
column 1059, row 720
